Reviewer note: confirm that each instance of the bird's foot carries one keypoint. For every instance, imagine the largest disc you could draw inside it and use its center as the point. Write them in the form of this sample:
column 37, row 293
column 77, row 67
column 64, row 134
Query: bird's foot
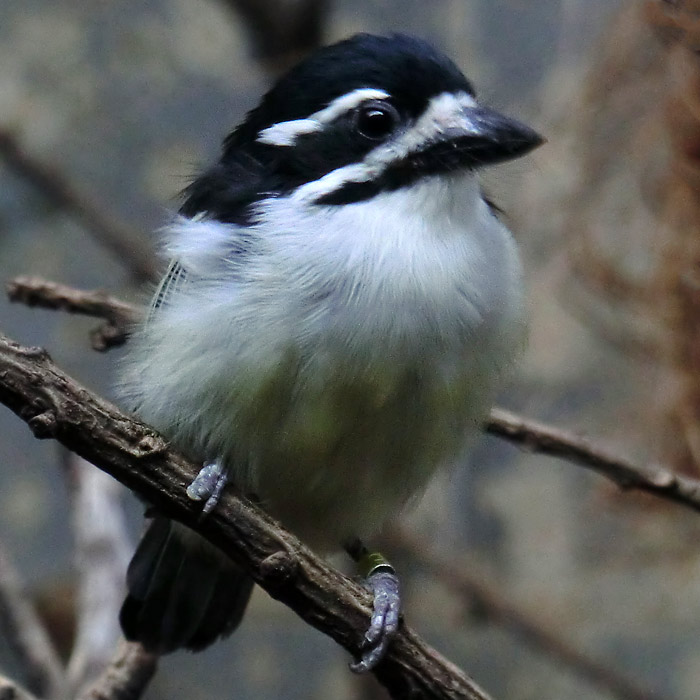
column 382, row 581
column 209, row 484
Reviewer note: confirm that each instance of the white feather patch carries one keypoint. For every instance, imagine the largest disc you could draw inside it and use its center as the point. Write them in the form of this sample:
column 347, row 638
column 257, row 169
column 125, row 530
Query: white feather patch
column 272, row 369
column 200, row 245
column 286, row 133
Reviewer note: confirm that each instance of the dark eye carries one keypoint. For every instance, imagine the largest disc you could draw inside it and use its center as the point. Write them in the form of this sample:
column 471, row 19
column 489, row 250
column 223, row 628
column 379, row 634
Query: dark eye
column 375, row 120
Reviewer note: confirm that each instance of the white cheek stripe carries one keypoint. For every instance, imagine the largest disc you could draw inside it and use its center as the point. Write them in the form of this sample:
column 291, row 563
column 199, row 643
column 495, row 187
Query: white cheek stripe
column 286, row 133
column 445, row 111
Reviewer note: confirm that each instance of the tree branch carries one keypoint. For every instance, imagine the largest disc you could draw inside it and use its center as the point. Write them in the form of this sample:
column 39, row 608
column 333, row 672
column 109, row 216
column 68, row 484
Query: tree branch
column 494, row 608
column 119, row 315
column 544, row 439
column 525, row 433
column 130, row 248
column 102, row 551
column 55, row 406
column 127, row 677
column 35, row 291
column 9, row 690
column 27, row 636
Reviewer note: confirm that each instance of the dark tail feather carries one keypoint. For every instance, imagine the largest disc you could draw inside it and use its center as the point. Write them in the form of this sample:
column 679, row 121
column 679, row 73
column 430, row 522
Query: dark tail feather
column 183, row 592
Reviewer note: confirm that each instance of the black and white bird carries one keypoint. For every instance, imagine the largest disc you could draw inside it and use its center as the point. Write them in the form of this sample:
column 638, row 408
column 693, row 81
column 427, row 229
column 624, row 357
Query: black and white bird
column 341, row 305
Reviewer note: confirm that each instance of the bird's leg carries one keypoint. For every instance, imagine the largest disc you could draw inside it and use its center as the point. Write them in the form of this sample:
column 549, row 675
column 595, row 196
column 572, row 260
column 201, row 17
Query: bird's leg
column 209, row 484
column 382, row 581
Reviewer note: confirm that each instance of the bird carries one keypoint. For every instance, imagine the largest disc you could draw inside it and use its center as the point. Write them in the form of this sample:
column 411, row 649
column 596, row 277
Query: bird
column 341, row 305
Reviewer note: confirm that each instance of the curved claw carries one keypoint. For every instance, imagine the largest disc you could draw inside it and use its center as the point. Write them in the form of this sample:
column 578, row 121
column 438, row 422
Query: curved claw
column 386, row 614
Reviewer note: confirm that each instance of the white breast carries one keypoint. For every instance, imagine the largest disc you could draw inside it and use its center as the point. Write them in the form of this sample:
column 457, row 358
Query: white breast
column 342, row 359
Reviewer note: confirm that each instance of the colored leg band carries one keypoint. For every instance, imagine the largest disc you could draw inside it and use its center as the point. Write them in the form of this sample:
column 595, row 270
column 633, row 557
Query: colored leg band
column 372, row 563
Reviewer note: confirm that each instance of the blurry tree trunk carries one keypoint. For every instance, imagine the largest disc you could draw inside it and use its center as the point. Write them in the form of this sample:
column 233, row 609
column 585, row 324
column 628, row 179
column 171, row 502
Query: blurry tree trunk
column 678, row 279
column 282, row 31
column 617, row 148
column 634, row 231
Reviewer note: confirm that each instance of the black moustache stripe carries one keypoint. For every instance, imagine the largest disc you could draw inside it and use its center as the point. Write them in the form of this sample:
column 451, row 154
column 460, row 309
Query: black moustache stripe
column 435, row 159
column 441, row 157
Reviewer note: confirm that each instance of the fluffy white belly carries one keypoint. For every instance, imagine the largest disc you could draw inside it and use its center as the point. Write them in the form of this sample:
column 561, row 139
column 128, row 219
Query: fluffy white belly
column 334, row 370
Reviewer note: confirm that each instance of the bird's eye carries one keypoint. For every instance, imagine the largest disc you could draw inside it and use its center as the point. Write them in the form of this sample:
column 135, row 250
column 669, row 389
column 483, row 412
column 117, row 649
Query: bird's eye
column 375, row 120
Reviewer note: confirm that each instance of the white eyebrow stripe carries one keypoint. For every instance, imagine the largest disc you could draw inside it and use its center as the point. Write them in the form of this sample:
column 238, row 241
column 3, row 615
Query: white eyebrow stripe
column 444, row 111
column 346, row 102
column 286, row 133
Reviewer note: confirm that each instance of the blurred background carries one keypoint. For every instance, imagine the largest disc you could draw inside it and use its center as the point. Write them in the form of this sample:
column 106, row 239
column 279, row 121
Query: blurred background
column 566, row 588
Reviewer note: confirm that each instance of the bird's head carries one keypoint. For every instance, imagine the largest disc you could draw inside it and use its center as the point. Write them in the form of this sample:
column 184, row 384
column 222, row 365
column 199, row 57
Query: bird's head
column 364, row 116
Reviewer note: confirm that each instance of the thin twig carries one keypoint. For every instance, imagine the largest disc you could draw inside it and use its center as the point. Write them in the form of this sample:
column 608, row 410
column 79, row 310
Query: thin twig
column 55, row 406
column 35, row 291
column 102, row 551
column 544, row 439
column 495, row 608
column 9, row 690
column 129, row 247
column 27, row 636
column 119, row 315
column 127, row 676
column 524, row 432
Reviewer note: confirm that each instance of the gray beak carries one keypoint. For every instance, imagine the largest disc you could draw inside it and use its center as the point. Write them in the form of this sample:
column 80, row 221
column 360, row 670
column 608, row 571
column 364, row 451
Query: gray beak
column 469, row 137
column 489, row 137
